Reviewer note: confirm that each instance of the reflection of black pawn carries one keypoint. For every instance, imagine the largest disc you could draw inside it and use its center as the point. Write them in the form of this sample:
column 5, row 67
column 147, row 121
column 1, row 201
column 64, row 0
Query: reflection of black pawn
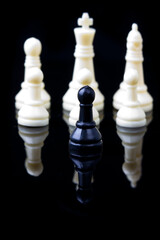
column 85, row 145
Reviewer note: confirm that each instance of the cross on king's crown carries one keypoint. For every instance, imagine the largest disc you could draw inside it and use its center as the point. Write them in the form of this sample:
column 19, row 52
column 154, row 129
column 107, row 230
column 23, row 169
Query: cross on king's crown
column 85, row 21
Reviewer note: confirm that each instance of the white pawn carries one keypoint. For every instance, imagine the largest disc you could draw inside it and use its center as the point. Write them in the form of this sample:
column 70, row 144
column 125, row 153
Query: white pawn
column 32, row 49
column 131, row 114
column 134, row 59
column 84, row 54
column 84, row 77
column 33, row 113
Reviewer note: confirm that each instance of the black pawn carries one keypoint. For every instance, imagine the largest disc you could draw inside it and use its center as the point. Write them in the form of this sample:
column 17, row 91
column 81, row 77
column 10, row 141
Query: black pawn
column 85, row 144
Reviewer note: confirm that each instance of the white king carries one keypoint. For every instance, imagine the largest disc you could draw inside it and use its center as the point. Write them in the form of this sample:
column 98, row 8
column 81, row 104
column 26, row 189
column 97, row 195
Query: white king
column 84, row 54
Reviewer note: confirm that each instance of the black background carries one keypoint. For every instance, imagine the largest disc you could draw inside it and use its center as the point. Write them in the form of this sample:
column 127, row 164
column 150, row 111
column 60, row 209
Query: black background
column 51, row 196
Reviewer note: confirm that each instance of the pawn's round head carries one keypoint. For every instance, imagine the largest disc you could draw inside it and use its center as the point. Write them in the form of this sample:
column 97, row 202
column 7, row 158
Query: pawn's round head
column 84, row 76
column 32, row 47
column 86, row 95
column 131, row 77
column 34, row 75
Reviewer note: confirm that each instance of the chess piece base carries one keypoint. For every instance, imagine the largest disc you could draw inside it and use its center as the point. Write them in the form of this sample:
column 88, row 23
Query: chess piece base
column 130, row 117
column 33, row 116
column 22, row 95
column 144, row 98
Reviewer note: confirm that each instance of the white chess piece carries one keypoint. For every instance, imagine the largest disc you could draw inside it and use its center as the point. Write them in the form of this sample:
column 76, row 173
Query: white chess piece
column 131, row 114
column 134, row 59
column 32, row 49
column 132, row 140
column 33, row 141
column 33, row 113
column 84, row 77
column 84, row 54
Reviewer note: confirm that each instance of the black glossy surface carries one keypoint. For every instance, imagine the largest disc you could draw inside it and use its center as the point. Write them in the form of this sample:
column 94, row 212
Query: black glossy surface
column 52, row 194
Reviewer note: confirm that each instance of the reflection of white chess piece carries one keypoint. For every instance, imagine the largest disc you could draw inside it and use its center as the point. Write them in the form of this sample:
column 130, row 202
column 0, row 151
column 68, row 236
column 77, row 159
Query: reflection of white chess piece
column 32, row 48
column 131, row 114
column 33, row 140
column 83, row 59
column 134, row 60
column 132, row 139
column 84, row 77
column 33, row 112
column 75, row 179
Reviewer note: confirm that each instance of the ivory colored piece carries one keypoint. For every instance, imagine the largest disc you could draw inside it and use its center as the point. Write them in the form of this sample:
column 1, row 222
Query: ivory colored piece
column 131, row 114
column 132, row 141
column 134, row 59
column 84, row 54
column 33, row 113
column 33, row 141
column 84, row 77
column 32, row 49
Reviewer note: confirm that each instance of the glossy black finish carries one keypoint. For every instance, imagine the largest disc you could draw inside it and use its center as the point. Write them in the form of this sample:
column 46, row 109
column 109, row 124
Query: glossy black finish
column 85, row 145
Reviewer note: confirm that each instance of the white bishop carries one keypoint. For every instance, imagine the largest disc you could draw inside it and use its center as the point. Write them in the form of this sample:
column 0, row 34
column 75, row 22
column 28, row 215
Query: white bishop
column 134, row 60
